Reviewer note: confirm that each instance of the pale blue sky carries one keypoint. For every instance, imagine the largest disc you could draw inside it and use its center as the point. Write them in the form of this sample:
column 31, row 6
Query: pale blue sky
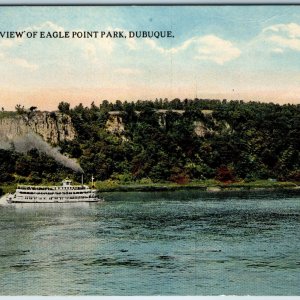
column 233, row 52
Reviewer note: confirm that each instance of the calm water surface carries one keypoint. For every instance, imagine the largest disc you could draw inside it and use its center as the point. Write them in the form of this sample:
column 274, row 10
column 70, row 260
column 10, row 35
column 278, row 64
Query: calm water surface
column 168, row 243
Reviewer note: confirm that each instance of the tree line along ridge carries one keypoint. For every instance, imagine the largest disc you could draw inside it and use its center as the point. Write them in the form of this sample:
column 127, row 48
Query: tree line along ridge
column 178, row 141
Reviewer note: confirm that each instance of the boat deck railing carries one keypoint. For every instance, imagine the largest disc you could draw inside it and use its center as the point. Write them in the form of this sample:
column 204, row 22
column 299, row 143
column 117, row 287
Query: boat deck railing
column 76, row 187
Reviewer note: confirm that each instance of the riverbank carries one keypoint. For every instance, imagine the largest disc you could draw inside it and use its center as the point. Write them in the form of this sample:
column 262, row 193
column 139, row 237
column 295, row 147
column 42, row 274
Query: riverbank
column 206, row 185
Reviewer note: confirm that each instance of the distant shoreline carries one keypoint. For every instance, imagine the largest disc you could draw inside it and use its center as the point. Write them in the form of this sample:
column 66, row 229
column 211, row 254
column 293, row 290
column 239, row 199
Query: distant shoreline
column 205, row 186
column 209, row 187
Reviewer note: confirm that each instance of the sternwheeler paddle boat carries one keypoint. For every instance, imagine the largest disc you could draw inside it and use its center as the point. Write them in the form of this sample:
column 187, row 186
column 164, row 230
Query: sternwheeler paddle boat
column 66, row 193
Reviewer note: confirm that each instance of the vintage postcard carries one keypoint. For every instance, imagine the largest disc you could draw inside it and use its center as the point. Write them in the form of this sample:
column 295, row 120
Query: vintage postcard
column 150, row 150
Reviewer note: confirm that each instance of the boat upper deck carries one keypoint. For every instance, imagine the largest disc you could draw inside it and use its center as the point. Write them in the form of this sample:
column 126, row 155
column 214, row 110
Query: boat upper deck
column 66, row 185
column 51, row 188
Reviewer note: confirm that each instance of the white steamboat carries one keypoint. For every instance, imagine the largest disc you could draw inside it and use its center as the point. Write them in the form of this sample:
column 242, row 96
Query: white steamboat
column 66, row 193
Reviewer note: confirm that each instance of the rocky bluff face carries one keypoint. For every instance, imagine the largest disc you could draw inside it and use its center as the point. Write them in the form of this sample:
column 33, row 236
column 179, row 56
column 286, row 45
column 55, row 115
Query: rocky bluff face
column 115, row 123
column 53, row 127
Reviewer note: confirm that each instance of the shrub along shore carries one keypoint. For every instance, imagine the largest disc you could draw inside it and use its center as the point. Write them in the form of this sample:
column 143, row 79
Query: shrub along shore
column 204, row 185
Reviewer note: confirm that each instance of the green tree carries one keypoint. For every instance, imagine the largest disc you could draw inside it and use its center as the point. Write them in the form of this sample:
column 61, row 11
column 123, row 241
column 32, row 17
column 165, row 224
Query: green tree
column 64, row 107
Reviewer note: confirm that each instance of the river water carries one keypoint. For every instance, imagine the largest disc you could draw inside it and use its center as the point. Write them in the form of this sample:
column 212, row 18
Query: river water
column 166, row 243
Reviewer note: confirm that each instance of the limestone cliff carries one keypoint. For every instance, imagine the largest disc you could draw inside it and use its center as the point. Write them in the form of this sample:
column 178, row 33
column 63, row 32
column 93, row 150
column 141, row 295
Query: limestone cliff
column 115, row 122
column 53, row 127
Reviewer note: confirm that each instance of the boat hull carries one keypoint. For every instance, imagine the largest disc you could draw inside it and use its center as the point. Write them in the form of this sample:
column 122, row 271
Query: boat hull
column 55, row 201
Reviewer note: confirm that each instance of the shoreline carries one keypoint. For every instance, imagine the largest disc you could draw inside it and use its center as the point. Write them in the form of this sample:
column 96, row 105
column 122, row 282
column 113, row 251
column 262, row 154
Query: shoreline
column 205, row 186
column 220, row 187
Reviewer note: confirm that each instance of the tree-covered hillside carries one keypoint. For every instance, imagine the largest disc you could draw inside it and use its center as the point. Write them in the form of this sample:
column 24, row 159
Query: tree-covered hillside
column 159, row 141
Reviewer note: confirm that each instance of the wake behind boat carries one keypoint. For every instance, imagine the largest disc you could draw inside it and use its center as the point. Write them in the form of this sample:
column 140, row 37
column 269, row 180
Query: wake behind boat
column 66, row 193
